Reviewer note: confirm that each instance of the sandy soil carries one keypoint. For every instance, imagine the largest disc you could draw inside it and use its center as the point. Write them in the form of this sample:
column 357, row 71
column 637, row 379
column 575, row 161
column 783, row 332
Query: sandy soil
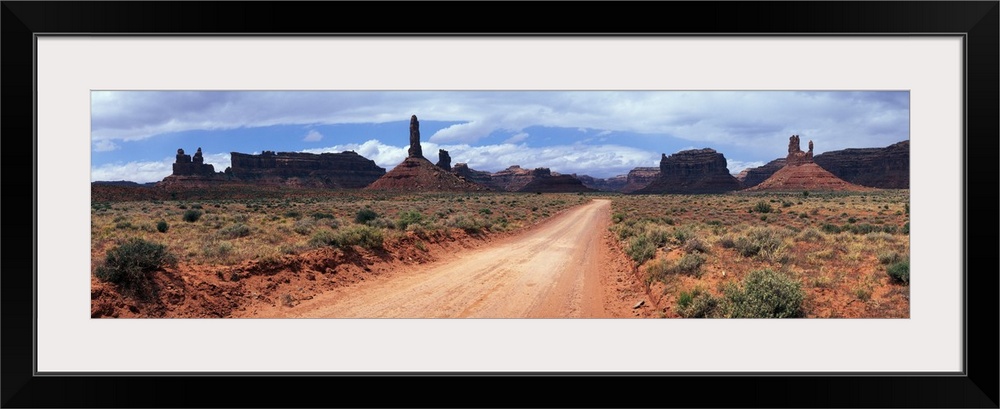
column 561, row 268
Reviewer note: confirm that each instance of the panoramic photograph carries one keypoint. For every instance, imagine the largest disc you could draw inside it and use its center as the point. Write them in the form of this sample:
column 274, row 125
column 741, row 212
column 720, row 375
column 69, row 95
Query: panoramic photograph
column 500, row 204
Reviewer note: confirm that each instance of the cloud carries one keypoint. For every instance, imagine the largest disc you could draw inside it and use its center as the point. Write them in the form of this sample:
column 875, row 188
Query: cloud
column 597, row 161
column 105, row 145
column 313, row 136
column 753, row 120
column 150, row 171
column 736, row 166
column 517, row 138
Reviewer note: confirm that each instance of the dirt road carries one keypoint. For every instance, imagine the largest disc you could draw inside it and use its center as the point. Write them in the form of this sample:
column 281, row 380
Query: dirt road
column 553, row 270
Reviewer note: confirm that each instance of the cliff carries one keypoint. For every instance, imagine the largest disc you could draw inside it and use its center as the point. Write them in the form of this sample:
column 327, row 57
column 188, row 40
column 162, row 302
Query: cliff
column 692, row 171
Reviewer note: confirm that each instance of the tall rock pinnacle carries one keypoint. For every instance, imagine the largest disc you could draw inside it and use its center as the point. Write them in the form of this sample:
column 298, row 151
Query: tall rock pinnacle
column 415, row 151
column 795, row 154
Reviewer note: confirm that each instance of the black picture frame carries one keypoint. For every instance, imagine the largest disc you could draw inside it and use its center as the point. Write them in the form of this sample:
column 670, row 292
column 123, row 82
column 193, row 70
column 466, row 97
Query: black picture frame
column 977, row 386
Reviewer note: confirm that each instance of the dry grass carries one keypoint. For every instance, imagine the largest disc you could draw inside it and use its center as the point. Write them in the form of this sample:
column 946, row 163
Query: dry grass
column 838, row 246
column 232, row 231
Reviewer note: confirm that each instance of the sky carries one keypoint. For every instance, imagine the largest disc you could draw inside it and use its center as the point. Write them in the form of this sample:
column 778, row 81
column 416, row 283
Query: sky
column 135, row 134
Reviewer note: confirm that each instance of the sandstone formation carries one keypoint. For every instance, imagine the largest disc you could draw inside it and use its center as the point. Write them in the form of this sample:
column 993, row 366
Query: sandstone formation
column 444, row 160
column 801, row 174
column 612, row 184
column 347, row 170
column 515, row 177
column 692, row 171
column 885, row 168
column 795, row 154
column 415, row 150
column 554, row 183
column 639, row 178
column 417, row 174
column 420, row 175
column 185, row 166
column 463, row 171
column 753, row 176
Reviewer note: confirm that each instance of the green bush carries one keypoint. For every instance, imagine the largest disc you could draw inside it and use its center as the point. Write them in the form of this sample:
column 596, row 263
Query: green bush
column 235, row 231
column 365, row 215
column 762, row 207
column 162, row 226
column 409, row 217
column 764, row 294
column 192, row 216
column 364, row 236
column 697, row 304
column 129, row 263
column 900, row 272
column 640, row 249
column 660, row 269
column 888, row 257
column 616, row 218
column 758, row 240
column 690, row 264
column 695, row 244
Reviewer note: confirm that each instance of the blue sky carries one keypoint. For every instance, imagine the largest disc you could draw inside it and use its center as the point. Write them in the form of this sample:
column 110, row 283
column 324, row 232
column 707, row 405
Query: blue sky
column 135, row 134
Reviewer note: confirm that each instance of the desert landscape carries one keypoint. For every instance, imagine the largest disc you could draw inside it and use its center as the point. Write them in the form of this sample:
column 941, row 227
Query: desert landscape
column 333, row 235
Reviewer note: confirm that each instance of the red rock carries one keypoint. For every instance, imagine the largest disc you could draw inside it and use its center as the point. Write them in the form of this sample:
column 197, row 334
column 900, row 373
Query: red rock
column 612, row 184
column 333, row 170
column 801, row 174
column 639, row 178
column 692, row 171
column 886, row 168
column 420, row 175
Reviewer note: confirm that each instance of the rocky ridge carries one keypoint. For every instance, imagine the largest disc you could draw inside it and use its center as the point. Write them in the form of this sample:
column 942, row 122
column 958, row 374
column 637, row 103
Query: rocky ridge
column 801, row 174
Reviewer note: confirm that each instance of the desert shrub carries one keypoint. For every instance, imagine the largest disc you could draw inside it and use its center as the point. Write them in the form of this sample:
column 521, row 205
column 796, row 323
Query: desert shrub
column 364, row 236
column 235, row 231
column 485, row 211
column 762, row 207
column 764, row 294
column 162, row 226
column 906, row 228
column 660, row 269
column 129, row 263
column 292, row 214
column 409, row 217
column 697, row 304
column 900, row 271
column 656, row 234
column 618, row 217
column 727, row 241
column 696, row 244
column 192, row 215
column 365, row 215
column 640, row 249
column 758, row 240
column 830, row 228
column 811, row 235
column 888, row 257
column 682, row 234
column 690, row 264
column 322, row 238
column 863, row 228
column 381, row 223
column 321, row 215
column 304, row 226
